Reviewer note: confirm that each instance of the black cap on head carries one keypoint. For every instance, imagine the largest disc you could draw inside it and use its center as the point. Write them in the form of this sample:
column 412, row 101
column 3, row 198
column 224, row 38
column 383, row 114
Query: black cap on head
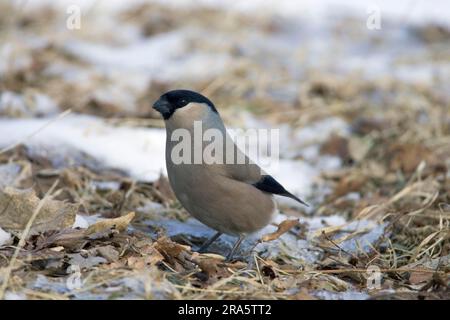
column 170, row 101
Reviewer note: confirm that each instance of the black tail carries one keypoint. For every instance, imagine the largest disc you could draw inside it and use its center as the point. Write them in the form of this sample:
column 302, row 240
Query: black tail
column 290, row 195
column 269, row 184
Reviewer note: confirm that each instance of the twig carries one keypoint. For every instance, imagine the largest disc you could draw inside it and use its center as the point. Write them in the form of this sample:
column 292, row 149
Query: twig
column 336, row 245
column 257, row 268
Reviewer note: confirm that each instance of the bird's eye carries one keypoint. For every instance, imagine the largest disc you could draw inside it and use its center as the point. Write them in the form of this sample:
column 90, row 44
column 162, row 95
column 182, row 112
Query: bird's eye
column 183, row 102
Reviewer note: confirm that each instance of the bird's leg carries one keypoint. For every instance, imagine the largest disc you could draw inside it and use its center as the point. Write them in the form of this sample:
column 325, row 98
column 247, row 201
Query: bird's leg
column 235, row 247
column 208, row 242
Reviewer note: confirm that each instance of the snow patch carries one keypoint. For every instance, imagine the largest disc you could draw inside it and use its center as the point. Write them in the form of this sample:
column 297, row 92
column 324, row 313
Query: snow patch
column 80, row 222
column 345, row 295
column 9, row 173
column 138, row 151
column 5, row 238
column 31, row 103
column 165, row 57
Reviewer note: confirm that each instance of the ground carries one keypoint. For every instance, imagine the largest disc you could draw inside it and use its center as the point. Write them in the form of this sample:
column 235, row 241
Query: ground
column 86, row 211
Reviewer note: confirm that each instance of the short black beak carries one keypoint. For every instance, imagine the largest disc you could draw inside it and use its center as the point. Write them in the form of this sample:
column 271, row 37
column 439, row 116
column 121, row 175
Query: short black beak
column 163, row 107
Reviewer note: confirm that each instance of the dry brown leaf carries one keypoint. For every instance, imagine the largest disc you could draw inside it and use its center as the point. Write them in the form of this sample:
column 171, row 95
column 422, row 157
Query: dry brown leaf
column 69, row 238
column 175, row 254
column 351, row 183
column 407, row 157
column 119, row 224
column 336, row 146
column 173, row 249
column 108, row 252
column 151, row 255
column 138, row 263
column 420, row 277
column 212, row 270
column 283, row 227
column 154, row 258
column 17, row 206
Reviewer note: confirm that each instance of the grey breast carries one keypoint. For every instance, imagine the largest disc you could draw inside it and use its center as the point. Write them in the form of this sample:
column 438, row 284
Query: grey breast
column 219, row 195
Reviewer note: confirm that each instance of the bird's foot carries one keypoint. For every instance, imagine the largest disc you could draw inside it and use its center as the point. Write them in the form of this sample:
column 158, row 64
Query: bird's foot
column 205, row 246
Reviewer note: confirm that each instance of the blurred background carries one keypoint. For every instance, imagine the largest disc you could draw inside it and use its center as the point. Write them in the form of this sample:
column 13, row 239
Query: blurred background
column 359, row 91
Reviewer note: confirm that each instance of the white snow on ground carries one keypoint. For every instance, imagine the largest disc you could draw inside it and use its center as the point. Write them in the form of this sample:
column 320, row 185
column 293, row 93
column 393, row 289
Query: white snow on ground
column 319, row 131
column 346, row 295
column 15, row 296
column 29, row 104
column 165, row 57
column 9, row 173
column 5, row 237
column 305, row 250
column 169, row 56
column 138, row 151
column 83, row 221
column 80, row 222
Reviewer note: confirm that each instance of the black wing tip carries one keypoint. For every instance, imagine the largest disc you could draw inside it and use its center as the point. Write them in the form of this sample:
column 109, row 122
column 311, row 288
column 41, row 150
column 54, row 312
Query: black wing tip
column 299, row 200
column 269, row 184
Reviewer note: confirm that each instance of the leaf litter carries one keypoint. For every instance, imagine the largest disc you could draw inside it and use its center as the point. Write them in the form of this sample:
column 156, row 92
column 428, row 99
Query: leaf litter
column 367, row 149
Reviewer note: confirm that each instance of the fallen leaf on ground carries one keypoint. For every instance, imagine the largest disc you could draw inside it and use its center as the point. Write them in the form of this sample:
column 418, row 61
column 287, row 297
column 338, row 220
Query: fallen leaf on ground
column 149, row 257
column 177, row 255
column 336, row 146
column 17, row 206
column 212, row 270
column 283, row 227
column 170, row 247
column 69, row 238
column 407, row 157
column 119, row 224
column 420, row 277
column 108, row 252
column 349, row 184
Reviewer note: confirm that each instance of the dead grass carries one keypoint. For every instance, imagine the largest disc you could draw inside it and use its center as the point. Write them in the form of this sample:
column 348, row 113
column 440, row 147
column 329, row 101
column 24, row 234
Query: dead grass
column 396, row 160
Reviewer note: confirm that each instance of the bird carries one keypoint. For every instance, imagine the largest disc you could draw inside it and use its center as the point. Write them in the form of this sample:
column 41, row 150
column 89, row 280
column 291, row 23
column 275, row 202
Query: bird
column 231, row 197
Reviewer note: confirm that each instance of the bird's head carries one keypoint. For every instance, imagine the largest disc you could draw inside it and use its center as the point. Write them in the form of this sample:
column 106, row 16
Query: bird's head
column 174, row 100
